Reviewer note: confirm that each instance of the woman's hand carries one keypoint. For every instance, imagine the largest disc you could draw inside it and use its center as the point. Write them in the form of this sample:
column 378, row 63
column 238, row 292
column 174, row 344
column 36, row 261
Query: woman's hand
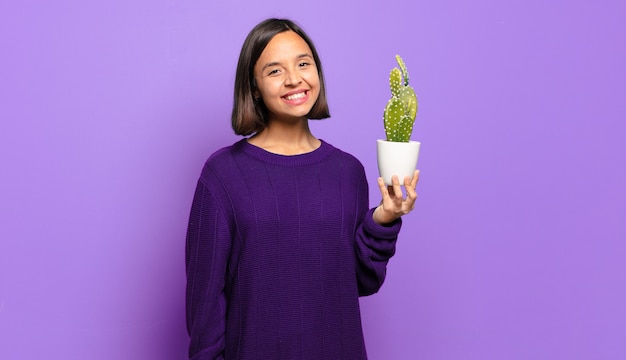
column 393, row 205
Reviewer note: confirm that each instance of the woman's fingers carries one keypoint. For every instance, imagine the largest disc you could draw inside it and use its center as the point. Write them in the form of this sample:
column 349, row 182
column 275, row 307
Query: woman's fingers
column 383, row 188
column 394, row 191
column 411, row 185
column 397, row 190
column 415, row 179
column 394, row 204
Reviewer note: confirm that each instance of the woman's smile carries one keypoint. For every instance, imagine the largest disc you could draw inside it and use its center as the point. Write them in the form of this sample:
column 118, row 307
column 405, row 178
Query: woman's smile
column 297, row 97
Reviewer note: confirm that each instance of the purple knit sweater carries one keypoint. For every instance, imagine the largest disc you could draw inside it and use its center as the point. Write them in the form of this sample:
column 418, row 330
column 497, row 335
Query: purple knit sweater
column 279, row 249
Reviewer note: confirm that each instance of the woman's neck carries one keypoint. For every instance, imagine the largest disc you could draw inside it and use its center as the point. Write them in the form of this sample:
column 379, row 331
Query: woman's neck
column 286, row 138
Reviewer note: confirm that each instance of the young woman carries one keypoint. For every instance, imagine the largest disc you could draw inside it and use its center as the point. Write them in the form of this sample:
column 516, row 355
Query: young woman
column 281, row 241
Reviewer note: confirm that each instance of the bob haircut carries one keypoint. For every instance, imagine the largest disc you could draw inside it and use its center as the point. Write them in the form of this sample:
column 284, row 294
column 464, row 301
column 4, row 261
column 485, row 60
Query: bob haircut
column 250, row 115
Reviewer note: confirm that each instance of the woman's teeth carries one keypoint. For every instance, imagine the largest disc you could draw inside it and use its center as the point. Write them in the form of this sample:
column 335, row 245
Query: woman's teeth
column 296, row 96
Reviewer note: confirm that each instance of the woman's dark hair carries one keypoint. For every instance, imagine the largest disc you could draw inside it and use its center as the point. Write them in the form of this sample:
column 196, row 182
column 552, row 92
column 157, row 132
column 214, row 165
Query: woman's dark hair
column 250, row 116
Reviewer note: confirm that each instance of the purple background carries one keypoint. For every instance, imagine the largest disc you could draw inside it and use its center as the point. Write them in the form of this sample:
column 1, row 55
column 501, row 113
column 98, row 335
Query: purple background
column 517, row 246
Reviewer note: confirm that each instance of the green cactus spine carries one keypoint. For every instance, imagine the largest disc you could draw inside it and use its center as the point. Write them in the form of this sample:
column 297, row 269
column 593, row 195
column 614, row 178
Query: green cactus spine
column 402, row 107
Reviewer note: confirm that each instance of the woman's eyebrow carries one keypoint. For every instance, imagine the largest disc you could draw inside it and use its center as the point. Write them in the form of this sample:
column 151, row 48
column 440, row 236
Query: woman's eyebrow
column 270, row 65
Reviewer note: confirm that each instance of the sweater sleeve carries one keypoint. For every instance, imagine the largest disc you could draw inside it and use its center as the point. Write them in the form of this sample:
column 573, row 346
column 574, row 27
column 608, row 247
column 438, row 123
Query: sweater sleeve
column 206, row 257
column 375, row 245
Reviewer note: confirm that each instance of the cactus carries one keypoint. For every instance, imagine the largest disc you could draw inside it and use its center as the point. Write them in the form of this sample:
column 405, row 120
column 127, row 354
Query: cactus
column 402, row 107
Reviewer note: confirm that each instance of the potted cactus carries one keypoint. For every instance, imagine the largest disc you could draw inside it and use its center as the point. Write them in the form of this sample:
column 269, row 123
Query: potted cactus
column 397, row 155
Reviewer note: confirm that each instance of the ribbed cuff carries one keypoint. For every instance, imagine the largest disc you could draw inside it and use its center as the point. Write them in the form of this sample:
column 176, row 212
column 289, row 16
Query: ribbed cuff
column 388, row 232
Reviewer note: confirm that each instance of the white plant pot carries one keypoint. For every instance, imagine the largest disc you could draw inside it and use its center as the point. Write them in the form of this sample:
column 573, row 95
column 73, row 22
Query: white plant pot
column 397, row 158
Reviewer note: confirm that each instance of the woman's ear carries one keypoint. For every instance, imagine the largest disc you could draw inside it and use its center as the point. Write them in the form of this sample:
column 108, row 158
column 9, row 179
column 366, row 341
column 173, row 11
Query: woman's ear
column 255, row 91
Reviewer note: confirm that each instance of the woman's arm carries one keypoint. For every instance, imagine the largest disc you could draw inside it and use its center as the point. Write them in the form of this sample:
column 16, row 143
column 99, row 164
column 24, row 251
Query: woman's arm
column 378, row 231
column 375, row 245
column 206, row 257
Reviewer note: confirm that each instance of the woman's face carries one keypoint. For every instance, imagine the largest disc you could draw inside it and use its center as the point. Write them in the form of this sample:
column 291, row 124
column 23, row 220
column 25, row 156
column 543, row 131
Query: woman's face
column 286, row 77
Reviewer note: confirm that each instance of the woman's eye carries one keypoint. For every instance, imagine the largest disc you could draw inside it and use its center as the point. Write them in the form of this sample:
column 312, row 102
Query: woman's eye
column 304, row 64
column 273, row 72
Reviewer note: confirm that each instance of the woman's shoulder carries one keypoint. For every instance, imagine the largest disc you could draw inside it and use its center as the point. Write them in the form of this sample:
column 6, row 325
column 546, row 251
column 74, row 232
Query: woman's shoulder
column 220, row 161
column 346, row 159
column 226, row 154
column 340, row 151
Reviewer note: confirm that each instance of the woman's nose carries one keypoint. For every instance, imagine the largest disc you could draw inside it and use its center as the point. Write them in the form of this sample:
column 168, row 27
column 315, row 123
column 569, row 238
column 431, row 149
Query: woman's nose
column 293, row 78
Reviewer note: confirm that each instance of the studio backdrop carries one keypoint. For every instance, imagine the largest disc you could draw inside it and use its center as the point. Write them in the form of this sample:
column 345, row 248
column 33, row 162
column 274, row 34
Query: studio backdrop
column 516, row 248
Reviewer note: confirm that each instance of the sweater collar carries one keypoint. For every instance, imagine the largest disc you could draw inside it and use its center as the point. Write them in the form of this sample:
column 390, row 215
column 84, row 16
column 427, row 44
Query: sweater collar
column 311, row 157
